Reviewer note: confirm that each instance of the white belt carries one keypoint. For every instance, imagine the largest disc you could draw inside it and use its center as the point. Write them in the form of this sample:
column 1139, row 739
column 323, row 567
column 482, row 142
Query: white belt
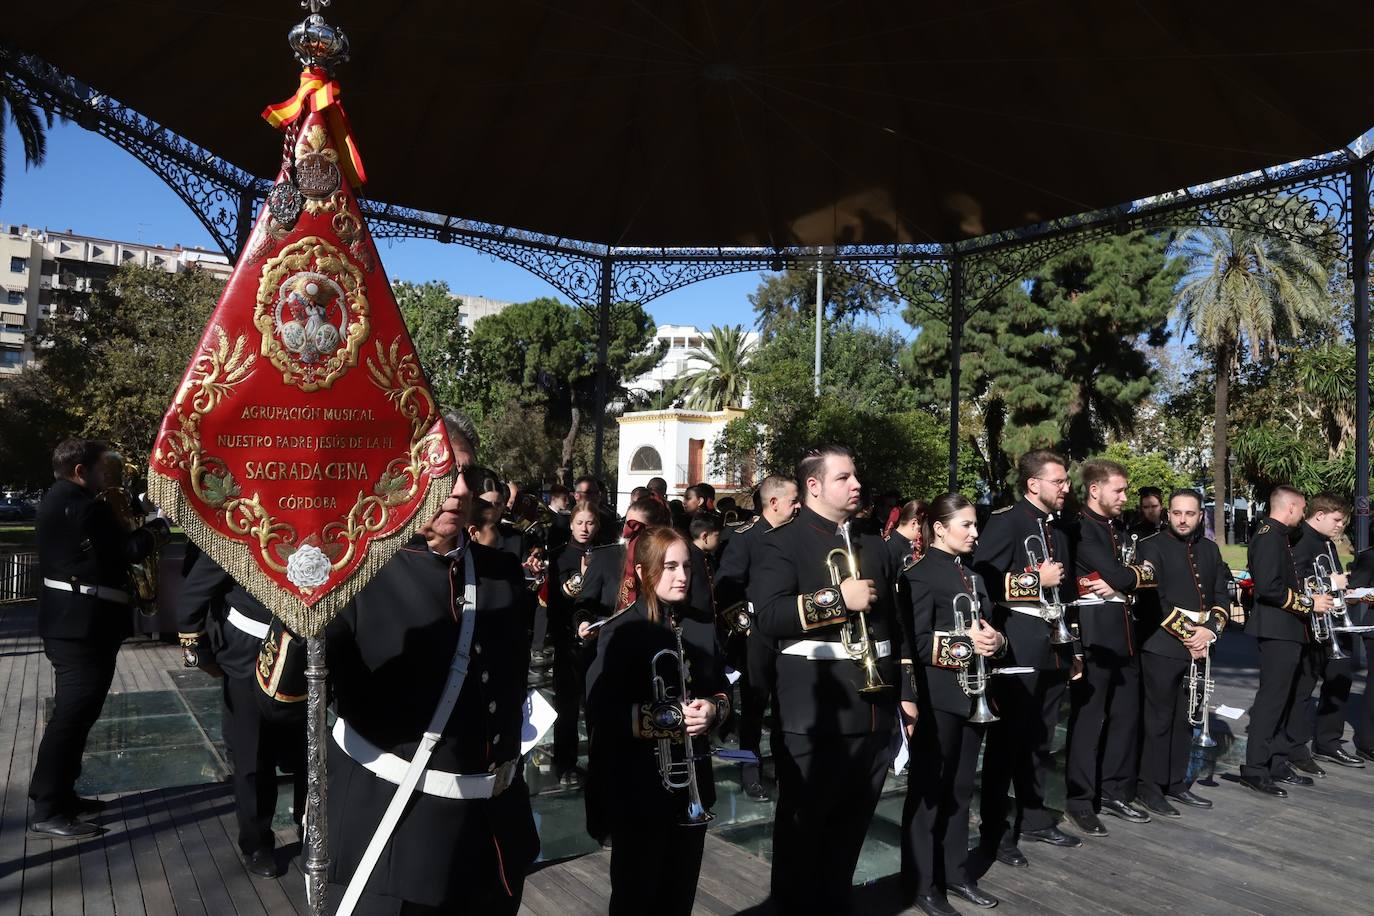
column 102, row 592
column 1113, row 598
column 247, row 624
column 1194, row 616
column 1030, row 610
column 821, row 650
column 392, row 768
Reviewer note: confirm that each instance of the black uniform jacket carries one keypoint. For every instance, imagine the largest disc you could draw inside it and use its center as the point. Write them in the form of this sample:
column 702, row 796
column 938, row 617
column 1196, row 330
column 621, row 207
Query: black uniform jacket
column 1002, row 563
column 1281, row 606
column 795, row 600
column 1308, row 547
column 207, row 594
column 736, row 582
column 565, row 583
column 901, row 549
column 934, row 583
column 389, row 653
column 1362, row 576
column 1106, row 625
column 81, row 541
column 601, row 584
column 623, row 775
column 1189, row 575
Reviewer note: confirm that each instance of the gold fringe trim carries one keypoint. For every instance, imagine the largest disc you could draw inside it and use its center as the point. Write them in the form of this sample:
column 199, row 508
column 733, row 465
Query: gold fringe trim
column 239, row 559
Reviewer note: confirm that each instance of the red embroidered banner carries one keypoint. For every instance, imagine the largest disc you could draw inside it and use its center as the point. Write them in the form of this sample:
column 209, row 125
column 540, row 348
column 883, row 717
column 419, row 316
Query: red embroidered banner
column 304, row 444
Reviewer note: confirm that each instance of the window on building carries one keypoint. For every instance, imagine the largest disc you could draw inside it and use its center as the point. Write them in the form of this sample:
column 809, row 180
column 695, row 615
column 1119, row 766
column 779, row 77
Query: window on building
column 14, row 297
column 646, row 459
column 11, row 357
column 19, row 265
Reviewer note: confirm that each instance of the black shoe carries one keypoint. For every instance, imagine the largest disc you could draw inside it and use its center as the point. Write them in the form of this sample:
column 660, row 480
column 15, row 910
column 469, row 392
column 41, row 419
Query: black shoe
column 1155, row 804
column 262, row 864
column 1117, row 808
column 63, row 827
column 1008, row 853
column 935, row 905
column 756, row 792
column 1308, row 766
column 1053, row 836
column 1341, row 757
column 1088, row 823
column 1293, row 779
column 973, row 894
column 1186, row 797
column 1263, row 787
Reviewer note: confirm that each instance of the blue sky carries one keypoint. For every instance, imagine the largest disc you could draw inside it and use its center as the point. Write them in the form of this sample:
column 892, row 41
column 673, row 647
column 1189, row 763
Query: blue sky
column 93, row 187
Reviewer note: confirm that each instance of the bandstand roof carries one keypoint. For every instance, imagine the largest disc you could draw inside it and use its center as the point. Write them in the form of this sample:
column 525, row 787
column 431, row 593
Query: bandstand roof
column 751, row 122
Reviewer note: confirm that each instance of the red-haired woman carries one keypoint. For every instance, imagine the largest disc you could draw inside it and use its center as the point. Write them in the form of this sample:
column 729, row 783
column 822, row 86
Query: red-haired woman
column 904, row 538
column 655, row 853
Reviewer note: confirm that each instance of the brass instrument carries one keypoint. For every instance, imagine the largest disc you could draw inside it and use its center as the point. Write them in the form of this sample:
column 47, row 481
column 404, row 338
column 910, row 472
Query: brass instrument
column 1325, row 567
column 854, row 636
column 1128, row 550
column 529, row 511
column 667, row 713
column 1051, row 607
column 1323, row 626
column 143, row 574
column 1200, row 687
column 973, row 677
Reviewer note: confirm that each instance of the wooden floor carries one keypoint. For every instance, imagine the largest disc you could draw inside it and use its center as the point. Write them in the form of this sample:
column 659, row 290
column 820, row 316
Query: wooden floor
column 170, row 850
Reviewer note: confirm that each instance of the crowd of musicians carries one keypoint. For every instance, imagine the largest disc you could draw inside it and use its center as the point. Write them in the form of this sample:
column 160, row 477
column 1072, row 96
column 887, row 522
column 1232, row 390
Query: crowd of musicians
column 859, row 634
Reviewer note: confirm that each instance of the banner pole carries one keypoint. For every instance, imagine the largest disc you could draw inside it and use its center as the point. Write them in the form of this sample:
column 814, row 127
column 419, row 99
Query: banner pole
column 317, row 789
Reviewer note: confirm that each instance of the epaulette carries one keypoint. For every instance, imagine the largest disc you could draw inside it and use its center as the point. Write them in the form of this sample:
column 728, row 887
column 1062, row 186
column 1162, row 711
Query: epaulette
column 1003, row 509
column 1263, row 528
column 782, row 526
column 909, row 562
column 746, row 526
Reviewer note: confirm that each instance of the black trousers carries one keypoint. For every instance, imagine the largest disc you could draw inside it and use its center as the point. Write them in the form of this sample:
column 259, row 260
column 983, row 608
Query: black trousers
column 568, row 689
column 654, row 868
column 753, row 703
column 1103, row 720
column 256, row 747
column 1018, row 752
column 1269, row 743
column 1336, row 676
column 82, row 672
column 828, row 789
column 1364, row 732
column 944, row 757
column 1168, row 738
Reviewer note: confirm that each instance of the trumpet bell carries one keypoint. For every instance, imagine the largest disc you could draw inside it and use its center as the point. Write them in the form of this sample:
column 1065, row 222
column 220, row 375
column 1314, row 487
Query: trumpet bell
column 982, row 712
column 1204, row 740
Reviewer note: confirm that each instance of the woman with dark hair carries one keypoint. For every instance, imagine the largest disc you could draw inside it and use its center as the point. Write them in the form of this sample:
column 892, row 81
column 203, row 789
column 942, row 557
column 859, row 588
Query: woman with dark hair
column 655, row 856
column 944, row 743
column 567, row 571
column 903, row 532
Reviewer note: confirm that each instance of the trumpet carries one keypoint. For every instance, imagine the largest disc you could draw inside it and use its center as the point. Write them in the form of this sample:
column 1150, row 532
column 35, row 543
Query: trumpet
column 973, row 677
column 1323, row 627
column 854, row 636
column 676, row 772
column 1338, row 621
column 1200, row 687
column 1128, row 550
column 1051, row 607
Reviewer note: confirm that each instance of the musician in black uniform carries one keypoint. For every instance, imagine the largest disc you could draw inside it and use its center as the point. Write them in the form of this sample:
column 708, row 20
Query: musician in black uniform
column 1193, row 585
column 567, row 571
column 735, row 586
column 1326, row 518
column 467, row 836
column 1149, row 516
column 1104, row 718
column 1362, row 576
column 1027, row 701
column 222, row 628
column 905, row 540
column 657, row 832
column 606, row 584
column 84, row 613
column 1279, row 622
column 944, row 746
column 833, row 745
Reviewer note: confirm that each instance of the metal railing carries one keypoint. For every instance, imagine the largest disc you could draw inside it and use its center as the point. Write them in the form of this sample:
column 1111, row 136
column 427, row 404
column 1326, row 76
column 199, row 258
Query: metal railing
column 18, row 575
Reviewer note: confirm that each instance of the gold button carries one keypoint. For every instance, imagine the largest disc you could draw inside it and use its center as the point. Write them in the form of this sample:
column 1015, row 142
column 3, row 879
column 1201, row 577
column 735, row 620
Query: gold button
column 486, row 676
column 491, row 707
column 495, row 739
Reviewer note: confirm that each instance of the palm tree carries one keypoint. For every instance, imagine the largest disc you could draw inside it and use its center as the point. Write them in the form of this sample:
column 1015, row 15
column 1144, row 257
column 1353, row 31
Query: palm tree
column 29, row 120
column 722, row 382
column 1244, row 287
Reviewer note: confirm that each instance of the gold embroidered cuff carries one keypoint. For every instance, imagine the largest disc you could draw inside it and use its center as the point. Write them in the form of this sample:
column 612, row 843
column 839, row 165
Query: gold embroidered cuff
column 1220, row 617
column 1144, row 575
column 656, row 721
column 1023, row 586
column 1297, row 603
column 1177, row 625
column 821, row 608
column 950, row 651
column 190, row 640
column 573, row 587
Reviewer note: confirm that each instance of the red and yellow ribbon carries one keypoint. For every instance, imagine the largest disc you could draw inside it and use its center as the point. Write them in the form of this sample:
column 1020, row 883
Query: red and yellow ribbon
column 319, row 93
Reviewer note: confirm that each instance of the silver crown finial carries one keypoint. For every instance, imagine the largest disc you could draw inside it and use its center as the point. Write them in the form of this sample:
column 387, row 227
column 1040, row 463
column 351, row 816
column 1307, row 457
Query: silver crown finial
column 316, row 42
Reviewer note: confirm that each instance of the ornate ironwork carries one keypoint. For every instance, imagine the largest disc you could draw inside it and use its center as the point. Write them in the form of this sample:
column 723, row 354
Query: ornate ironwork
column 210, row 186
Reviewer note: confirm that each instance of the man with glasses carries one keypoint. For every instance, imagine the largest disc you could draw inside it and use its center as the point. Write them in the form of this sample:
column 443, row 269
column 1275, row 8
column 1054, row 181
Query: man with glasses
column 1027, row 694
